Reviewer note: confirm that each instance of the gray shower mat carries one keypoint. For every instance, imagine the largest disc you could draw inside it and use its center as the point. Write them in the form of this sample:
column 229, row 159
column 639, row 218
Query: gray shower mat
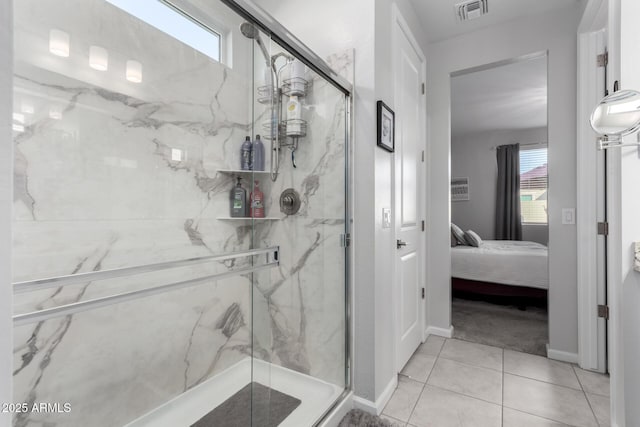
column 254, row 405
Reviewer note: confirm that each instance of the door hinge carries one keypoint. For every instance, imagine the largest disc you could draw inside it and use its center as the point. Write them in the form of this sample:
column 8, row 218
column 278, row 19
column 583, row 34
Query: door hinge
column 422, row 156
column 603, row 311
column 603, row 228
column 603, row 59
column 423, row 293
column 423, row 225
column 345, row 240
column 423, row 88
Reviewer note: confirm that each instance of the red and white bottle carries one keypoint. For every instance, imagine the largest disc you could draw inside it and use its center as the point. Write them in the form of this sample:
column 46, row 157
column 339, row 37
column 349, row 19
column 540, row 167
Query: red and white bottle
column 257, row 202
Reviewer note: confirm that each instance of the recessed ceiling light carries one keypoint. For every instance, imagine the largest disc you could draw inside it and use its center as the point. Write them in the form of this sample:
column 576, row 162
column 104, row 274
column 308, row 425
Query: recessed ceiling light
column 59, row 43
column 134, row 71
column 98, row 58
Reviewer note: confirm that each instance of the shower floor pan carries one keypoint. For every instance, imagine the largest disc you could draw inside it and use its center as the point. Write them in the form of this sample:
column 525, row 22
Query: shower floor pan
column 316, row 396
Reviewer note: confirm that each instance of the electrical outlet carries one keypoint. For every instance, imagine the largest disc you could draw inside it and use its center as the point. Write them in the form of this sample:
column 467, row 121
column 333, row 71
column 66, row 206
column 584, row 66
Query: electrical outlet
column 386, row 217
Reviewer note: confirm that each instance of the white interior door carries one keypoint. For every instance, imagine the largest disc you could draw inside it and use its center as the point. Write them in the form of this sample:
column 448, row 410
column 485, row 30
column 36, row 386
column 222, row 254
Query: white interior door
column 409, row 190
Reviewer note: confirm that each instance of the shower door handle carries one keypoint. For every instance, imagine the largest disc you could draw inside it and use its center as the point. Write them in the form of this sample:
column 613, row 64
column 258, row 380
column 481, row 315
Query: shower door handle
column 400, row 244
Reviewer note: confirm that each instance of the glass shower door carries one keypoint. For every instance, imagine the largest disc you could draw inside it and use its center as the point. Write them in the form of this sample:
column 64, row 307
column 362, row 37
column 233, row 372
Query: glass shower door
column 299, row 308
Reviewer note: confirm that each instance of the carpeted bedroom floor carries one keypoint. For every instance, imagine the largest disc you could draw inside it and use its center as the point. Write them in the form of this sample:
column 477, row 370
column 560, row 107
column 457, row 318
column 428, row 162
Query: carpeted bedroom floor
column 500, row 325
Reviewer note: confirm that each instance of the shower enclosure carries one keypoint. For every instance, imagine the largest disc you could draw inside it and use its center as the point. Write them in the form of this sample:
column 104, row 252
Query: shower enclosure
column 147, row 290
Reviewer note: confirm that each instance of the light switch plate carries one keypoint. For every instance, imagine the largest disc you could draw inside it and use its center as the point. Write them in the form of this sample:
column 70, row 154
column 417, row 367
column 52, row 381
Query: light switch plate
column 568, row 216
column 386, row 217
column 636, row 261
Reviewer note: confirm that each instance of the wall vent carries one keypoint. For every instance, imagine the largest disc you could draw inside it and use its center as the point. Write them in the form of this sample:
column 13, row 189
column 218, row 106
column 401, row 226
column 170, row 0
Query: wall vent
column 472, row 9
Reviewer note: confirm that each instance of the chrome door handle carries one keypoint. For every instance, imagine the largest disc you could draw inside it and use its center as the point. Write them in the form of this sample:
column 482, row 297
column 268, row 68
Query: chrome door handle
column 400, row 244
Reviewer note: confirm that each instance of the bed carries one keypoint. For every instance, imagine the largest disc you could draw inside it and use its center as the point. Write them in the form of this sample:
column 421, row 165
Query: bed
column 501, row 268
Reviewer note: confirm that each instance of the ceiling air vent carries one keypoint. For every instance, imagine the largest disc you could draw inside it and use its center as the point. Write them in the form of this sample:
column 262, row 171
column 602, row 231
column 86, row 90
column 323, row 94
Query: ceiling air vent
column 472, row 9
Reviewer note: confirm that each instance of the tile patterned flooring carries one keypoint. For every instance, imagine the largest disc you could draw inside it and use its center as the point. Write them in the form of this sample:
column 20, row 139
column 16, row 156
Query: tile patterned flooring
column 453, row 383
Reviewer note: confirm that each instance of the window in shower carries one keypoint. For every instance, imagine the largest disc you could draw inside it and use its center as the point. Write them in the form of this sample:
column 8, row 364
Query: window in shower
column 170, row 20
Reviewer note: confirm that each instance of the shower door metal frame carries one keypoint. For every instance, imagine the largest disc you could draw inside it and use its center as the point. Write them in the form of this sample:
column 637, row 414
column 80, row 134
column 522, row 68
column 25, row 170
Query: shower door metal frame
column 251, row 12
column 278, row 33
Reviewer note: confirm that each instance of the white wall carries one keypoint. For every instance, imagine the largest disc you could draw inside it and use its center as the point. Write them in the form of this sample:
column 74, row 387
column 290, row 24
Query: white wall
column 474, row 156
column 553, row 32
column 357, row 25
column 6, row 193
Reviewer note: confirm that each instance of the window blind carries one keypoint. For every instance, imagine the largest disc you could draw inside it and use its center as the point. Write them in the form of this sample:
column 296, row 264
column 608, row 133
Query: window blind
column 533, row 185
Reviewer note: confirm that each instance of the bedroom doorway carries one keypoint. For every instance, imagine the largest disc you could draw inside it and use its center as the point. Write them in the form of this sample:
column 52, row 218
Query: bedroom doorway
column 499, row 221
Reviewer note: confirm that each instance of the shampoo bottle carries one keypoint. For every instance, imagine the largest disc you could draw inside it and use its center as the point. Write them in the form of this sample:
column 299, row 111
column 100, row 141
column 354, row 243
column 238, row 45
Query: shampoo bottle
column 245, row 154
column 257, row 202
column 238, row 199
column 257, row 153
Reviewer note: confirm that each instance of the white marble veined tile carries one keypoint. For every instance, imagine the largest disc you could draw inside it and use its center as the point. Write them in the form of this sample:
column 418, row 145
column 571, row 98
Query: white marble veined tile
column 100, row 188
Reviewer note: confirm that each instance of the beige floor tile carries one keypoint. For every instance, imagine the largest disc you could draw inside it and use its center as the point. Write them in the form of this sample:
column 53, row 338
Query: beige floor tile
column 441, row 408
column 403, row 399
column 419, row 367
column 513, row 418
column 549, row 401
column 473, row 354
column 540, row 368
column 601, row 408
column 593, row 382
column 432, row 346
column 394, row 422
column 473, row 381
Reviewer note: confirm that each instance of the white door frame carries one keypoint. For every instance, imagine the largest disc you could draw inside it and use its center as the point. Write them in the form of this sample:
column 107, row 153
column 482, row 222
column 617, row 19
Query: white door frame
column 590, row 340
column 399, row 24
column 614, row 251
column 6, row 206
column 614, row 256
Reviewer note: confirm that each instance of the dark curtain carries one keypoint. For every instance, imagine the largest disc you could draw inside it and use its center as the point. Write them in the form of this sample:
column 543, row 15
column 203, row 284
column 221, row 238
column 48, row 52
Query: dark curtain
column 508, row 221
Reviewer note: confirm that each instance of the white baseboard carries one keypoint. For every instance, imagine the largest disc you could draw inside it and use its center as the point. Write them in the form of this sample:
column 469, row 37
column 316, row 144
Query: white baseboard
column 377, row 406
column 562, row 356
column 441, row 332
column 338, row 413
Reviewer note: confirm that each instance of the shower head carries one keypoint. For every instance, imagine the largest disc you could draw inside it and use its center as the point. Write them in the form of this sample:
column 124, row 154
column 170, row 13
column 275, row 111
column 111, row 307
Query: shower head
column 251, row 32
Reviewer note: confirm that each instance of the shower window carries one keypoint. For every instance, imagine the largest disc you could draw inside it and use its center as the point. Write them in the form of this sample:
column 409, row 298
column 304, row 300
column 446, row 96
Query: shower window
column 166, row 18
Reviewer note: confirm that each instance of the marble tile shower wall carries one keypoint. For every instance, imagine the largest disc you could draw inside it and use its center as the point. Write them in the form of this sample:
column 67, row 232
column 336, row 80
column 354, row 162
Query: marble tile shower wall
column 97, row 187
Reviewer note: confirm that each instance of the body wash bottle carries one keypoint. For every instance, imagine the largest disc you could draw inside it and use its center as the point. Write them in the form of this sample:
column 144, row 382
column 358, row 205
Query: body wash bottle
column 257, row 202
column 238, row 201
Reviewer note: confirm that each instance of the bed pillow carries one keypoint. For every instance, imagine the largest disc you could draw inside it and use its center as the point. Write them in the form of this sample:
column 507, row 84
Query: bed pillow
column 472, row 238
column 458, row 234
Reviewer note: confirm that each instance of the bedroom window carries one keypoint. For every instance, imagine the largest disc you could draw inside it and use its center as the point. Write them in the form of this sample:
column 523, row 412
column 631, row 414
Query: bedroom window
column 533, row 185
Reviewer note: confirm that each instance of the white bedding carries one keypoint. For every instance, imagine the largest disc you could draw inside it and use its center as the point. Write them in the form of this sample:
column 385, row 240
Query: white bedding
column 506, row 262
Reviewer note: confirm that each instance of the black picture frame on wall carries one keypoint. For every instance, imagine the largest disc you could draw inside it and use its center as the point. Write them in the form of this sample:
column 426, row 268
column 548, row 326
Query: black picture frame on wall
column 386, row 127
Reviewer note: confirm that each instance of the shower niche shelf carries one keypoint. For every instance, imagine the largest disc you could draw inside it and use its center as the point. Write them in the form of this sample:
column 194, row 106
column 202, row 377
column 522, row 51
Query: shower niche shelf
column 248, row 218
